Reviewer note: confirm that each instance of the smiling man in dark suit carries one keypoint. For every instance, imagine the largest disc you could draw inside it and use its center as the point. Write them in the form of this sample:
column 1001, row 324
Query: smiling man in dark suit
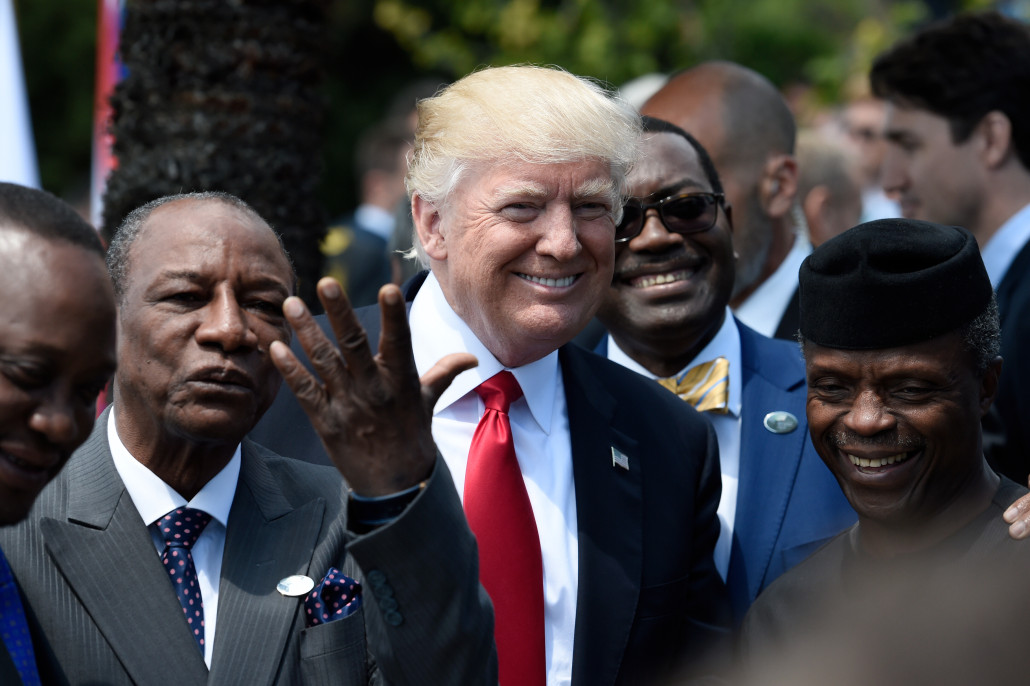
column 57, row 351
column 667, row 311
column 166, row 489
column 610, row 482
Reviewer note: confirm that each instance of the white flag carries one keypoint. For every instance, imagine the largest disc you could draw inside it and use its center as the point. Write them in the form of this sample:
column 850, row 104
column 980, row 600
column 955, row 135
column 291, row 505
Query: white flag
column 17, row 147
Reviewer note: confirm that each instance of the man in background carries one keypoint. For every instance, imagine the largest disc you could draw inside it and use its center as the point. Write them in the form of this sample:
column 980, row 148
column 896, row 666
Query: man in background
column 958, row 132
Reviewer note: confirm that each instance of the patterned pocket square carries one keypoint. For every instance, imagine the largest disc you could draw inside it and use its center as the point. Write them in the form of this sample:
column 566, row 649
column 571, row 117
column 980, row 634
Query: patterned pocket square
column 335, row 597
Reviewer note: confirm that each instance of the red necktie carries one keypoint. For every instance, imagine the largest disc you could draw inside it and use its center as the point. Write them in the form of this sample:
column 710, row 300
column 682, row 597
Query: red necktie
column 499, row 514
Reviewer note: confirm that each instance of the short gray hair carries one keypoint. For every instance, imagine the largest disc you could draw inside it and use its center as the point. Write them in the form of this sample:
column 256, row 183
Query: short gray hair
column 525, row 113
column 132, row 227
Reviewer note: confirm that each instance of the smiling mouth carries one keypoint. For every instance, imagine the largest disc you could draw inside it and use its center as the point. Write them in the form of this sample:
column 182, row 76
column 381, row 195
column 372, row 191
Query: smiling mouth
column 562, row 282
column 879, row 461
column 649, row 280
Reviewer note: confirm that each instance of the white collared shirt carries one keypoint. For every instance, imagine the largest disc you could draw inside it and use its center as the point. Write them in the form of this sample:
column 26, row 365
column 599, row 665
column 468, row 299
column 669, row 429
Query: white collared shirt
column 540, row 429
column 764, row 308
column 154, row 499
column 727, row 426
column 1005, row 244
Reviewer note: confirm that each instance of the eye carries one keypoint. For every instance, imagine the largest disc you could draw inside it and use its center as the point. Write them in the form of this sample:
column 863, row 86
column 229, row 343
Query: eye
column 25, row 375
column 590, row 211
column 183, row 298
column 829, row 390
column 520, row 212
column 266, row 307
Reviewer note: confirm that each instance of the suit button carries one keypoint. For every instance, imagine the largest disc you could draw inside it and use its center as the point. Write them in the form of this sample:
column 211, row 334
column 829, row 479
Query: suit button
column 375, row 578
column 393, row 618
column 387, row 604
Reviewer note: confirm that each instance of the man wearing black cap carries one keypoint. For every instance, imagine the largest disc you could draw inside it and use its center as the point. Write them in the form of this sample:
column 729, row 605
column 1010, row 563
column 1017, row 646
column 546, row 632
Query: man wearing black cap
column 900, row 335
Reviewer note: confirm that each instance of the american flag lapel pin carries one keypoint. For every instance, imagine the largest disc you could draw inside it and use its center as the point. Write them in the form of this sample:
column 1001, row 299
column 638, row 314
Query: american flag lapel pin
column 619, row 460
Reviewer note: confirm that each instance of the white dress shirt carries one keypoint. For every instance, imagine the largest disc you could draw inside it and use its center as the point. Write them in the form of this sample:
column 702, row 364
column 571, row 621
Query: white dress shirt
column 540, row 430
column 1005, row 244
column 727, row 426
column 764, row 308
column 154, row 499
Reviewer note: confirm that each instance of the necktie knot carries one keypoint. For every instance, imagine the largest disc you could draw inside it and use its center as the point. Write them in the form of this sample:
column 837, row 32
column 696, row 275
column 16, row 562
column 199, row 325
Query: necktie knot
column 499, row 391
column 706, row 386
column 181, row 527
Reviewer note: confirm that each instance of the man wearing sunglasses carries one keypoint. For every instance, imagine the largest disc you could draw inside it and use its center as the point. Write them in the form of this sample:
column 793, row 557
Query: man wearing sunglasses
column 668, row 317
column 746, row 125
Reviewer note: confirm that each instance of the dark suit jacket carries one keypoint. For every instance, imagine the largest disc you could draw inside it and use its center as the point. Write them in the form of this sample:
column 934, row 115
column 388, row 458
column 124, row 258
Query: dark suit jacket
column 1008, row 445
column 649, row 594
column 358, row 258
column 103, row 611
column 788, row 503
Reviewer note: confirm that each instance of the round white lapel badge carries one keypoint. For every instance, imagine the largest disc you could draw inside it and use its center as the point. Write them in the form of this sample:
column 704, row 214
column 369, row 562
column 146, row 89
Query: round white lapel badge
column 780, row 422
column 295, row 585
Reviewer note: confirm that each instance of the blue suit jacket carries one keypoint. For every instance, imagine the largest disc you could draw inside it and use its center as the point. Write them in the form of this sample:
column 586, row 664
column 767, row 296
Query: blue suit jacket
column 788, row 502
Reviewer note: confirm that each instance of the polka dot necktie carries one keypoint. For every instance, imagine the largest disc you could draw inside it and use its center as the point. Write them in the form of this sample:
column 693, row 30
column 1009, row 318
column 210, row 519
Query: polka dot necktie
column 14, row 629
column 336, row 597
column 180, row 529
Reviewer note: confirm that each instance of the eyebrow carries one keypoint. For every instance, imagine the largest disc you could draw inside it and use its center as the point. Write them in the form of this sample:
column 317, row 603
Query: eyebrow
column 195, row 276
column 589, row 189
column 686, row 184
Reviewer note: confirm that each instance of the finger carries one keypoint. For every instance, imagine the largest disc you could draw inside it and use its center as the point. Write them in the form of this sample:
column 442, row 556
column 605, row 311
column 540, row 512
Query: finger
column 349, row 333
column 305, row 387
column 316, row 345
column 395, row 351
column 438, row 377
column 1018, row 515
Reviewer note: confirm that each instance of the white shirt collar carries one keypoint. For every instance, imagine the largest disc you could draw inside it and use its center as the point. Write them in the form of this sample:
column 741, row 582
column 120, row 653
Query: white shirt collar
column 439, row 331
column 154, row 498
column 1005, row 244
column 726, row 343
column 764, row 308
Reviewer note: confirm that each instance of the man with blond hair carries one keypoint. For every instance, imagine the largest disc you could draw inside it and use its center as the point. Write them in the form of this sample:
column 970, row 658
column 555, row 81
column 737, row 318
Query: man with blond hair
column 595, row 509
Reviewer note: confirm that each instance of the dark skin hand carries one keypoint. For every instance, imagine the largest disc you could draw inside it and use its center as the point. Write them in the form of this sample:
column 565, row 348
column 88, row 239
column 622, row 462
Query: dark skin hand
column 1018, row 516
column 372, row 412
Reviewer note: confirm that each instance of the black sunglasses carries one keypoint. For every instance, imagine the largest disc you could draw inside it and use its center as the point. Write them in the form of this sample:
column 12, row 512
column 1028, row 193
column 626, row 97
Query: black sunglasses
column 684, row 213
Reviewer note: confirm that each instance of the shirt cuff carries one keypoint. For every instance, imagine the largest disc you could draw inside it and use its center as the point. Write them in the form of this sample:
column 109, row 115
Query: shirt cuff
column 365, row 514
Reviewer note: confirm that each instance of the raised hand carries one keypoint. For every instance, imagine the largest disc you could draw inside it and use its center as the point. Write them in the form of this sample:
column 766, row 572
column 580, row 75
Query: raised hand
column 372, row 412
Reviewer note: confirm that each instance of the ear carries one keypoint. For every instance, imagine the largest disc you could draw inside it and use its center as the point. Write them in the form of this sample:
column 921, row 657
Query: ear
column 427, row 220
column 995, row 130
column 779, row 185
column 989, row 385
column 814, row 204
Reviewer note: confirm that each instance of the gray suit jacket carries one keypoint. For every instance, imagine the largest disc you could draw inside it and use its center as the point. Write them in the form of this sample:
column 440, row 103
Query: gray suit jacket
column 103, row 611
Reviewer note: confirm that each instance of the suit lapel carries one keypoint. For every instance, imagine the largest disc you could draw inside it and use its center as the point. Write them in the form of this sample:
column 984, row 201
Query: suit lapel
column 104, row 532
column 768, row 467
column 267, row 539
column 609, row 510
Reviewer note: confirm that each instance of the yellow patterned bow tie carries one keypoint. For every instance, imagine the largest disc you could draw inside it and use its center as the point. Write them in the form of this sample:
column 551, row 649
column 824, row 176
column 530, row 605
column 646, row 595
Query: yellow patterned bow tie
column 706, row 386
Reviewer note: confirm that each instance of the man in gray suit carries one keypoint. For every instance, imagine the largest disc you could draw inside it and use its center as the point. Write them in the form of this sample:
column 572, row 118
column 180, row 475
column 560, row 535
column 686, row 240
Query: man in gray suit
column 57, row 351
column 256, row 597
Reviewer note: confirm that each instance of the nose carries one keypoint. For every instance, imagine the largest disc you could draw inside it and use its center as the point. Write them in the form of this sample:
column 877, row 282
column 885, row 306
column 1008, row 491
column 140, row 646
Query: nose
column 225, row 323
column 56, row 418
column 893, row 173
column 653, row 236
column 868, row 416
column 559, row 238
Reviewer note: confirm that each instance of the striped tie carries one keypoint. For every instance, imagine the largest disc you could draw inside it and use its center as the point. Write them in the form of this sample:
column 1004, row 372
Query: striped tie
column 706, row 386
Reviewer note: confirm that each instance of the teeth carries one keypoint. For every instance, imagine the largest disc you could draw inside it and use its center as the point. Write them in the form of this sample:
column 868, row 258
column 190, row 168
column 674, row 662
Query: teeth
column 553, row 283
column 659, row 279
column 877, row 462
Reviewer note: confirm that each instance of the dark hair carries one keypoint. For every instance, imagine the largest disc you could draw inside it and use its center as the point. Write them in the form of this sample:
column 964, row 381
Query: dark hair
column 655, row 125
column 46, row 216
column 961, row 69
column 132, row 227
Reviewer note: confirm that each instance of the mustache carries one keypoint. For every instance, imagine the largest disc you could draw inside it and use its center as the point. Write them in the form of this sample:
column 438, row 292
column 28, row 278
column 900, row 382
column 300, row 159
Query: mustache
column 896, row 442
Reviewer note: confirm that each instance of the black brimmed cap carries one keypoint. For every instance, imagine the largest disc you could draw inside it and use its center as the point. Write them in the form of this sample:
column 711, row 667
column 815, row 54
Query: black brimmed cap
column 892, row 282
